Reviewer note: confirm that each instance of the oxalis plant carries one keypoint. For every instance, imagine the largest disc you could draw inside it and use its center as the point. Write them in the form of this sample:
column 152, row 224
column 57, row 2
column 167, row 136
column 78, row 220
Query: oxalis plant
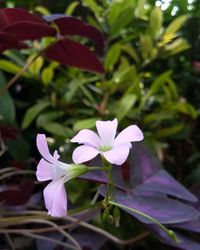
column 113, row 150
column 128, row 179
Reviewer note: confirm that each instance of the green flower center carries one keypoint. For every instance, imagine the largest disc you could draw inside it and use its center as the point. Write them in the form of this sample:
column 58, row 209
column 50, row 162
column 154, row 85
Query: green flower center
column 105, row 148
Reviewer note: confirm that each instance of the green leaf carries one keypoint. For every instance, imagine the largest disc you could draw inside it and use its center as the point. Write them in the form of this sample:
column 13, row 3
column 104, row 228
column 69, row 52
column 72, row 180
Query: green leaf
column 159, row 81
column 157, row 117
column 176, row 24
column 97, row 9
column 36, row 65
column 47, row 75
column 173, row 89
column 55, row 128
column 42, row 10
column 185, row 108
column 140, row 10
column 132, row 52
column 19, row 148
column 32, row 112
column 15, row 57
column 47, row 117
column 145, row 46
column 70, row 9
column 10, row 67
column 86, row 123
column 125, row 105
column 155, row 22
column 112, row 57
column 177, row 46
column 120, row 15
column 155, row 87
column 171, row 131
column 7, row 107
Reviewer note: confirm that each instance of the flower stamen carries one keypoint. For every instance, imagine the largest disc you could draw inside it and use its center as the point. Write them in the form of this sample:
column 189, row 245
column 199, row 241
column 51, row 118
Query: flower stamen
column 105, row 148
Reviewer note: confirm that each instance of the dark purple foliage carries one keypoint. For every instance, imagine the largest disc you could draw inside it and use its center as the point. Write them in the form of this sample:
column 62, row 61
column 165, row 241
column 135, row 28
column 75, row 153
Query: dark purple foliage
column 25, row 30
column 8, row 41
column 17, row 194
column 9, row 16
column 18, row 25
column 71, row 53
column 8, row 132
column 74, row 26
column 153, row 191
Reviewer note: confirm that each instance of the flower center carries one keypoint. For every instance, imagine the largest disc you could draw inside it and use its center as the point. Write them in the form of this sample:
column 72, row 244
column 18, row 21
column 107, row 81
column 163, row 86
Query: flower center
column 105, row 148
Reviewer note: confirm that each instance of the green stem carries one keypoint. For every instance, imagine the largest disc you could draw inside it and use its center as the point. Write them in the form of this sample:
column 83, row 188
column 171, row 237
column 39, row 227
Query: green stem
column 170, row 233
column 94, row 168
column 84, row 208
column 109, row 189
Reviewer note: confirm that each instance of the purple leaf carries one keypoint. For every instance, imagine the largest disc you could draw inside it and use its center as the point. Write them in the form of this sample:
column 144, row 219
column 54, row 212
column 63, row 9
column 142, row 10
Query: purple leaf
column 20, row 164
column 100, row 177
column 17, row 195
column 163, row 209
column 164, row 183
column 89, row 240
column 10, row 16
column 185, row 243
column 95, row 176
column 8, row 41
column 45, row 244
column 8, row 132
column 74, row 26
column 143, row 164
column 193, row 225
column 26, row 30
column 74, row 54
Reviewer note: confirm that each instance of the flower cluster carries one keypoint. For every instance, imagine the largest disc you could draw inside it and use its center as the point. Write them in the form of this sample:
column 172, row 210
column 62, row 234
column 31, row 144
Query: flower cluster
column 114, row 149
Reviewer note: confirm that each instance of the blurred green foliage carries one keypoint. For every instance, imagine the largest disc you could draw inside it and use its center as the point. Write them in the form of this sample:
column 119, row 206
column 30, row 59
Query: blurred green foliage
column 144, row 59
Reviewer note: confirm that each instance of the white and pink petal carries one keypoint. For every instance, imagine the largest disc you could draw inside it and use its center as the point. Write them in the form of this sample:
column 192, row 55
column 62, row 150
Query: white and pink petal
column 84, row 153
column 117, row 155
column 88, row 137
column 43, row 148
column 130, row 134
column 55, row 198
column 107, row 131
column 44, row 170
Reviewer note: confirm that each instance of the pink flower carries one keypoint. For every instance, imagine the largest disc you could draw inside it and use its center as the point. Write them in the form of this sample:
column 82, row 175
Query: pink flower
column 49, row 168
column 114, row 150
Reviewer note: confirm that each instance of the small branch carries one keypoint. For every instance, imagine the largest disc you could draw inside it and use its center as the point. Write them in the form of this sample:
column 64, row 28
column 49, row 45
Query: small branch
column 16, row 172
column 18, row 75
column 35, row 236
column 74, row 222
column 3, row 147
column 168, row 232
column 9, row 240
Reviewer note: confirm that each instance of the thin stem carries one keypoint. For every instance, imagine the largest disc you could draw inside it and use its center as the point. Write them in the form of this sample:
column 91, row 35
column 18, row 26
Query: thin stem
column 9, row 240
column 3, row 147
column 80, row 223
column 66, row 245
column 110, row 186
column 94, row 168
column 67, row 235
column 17, row 172
column 18, row 75
column 94, row 199
column 170, row 233
column 7, row 169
